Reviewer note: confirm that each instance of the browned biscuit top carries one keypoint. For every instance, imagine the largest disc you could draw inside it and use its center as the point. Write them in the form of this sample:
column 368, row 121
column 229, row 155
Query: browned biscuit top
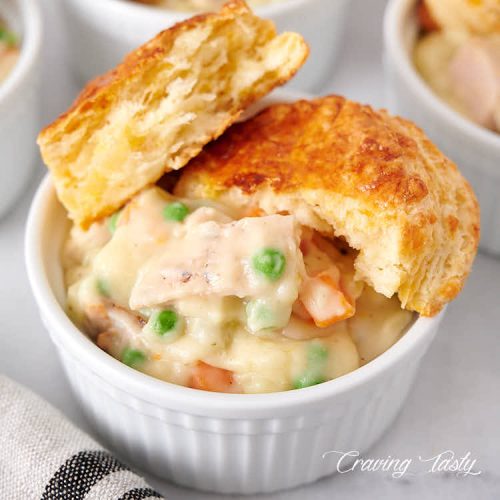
column 368, row 174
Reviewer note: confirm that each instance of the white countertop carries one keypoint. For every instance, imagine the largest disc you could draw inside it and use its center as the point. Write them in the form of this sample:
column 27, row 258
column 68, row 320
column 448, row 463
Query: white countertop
column 455, row 404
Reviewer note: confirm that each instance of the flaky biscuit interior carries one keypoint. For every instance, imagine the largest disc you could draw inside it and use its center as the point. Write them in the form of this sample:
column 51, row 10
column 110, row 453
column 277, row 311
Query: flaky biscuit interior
column 157, row 109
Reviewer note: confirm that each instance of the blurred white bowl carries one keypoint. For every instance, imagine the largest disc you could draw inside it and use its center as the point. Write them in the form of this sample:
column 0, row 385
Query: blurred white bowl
column 227, row 443
column 101, row 32
column 19, row 103
column 474, row 149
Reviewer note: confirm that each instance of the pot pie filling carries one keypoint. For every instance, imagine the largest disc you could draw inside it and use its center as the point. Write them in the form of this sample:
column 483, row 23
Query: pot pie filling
column 203, row 295
column 462, row 68
column 9, row 50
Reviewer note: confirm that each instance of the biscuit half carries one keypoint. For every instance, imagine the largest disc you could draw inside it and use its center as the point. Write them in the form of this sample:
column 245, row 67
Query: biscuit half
column 350, row 171
column 162, row 104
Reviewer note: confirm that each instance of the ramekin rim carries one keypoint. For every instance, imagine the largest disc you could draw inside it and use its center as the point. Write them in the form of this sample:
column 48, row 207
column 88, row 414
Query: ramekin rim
column 270, row 9
column 31, row 20
column 162, row 393
column 393, row 47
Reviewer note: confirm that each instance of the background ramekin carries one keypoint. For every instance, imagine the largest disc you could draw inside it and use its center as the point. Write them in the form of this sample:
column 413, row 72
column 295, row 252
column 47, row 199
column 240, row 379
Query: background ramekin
column 227, row 443
column 474, row 149
column 19, row 103
column 101, row 32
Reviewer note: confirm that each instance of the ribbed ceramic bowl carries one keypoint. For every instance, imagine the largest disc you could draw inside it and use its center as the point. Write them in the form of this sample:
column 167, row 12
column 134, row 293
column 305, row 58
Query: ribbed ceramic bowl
column 476, row 150
column 227, row 443
column 101, row 32
column 19, row 103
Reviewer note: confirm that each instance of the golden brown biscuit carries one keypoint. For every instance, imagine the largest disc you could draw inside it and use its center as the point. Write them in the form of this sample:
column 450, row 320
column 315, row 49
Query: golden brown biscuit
column 479, row 17
column 371, row 178
column 162, row 104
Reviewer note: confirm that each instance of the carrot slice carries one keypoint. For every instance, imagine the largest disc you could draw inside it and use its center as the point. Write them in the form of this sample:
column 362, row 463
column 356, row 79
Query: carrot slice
column 211, row 378
column 324, row 300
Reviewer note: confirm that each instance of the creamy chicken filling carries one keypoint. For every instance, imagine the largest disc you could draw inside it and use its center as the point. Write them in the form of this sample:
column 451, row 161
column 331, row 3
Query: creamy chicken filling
column 464, row 71
column 196, row 294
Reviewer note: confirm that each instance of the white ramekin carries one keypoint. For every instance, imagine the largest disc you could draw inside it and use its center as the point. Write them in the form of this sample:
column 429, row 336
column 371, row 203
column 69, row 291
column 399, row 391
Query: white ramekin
column 474, row 149
column 227, row 443
column 19, row 103
column 101, row 32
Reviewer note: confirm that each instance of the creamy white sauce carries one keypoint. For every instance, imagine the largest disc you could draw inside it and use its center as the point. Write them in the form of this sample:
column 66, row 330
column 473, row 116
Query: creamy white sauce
column 229, row 315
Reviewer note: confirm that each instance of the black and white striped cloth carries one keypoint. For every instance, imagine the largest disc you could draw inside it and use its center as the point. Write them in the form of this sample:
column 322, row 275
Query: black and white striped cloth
column 43, row 456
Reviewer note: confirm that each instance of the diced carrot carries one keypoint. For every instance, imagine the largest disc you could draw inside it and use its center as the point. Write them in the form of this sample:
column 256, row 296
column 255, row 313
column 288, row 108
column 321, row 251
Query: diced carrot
column 211, row 378
column 324, row 300
column 322, row 297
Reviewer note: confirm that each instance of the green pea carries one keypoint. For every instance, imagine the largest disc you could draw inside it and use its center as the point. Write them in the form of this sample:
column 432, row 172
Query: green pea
column 307, row 380
column 270, row 263
column 317, row 354
column 103, row 288
column 8, row 37
column 259, row 315
column 175, row 211
column 164, row 322
column 133, row 357
column 113, row 221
